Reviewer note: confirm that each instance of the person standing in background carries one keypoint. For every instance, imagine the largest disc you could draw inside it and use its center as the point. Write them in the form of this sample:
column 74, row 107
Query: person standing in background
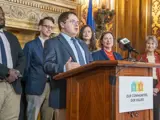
column 106, row 43
column 12, row 63
column 87, row 35
column 63, row 53
column 37, row 83
column 152, row 57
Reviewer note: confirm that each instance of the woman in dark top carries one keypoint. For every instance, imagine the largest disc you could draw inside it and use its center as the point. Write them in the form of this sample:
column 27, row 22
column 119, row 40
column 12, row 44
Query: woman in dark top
column 87, row 34
column 106, row 43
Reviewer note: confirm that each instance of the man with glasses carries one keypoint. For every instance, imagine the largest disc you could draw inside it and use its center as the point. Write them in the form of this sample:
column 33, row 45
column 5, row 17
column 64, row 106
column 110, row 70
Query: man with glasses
column 12, row 63
column 63, row 53
column 37, row 83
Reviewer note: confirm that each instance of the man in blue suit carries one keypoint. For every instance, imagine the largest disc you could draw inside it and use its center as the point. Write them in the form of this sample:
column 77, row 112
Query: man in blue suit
column 63, row 53
column 37, row 87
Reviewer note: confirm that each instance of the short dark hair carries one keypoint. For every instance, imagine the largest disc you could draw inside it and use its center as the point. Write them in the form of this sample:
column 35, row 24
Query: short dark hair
column 46, row 18
column 63, row 17
column 92, row 45
column 102, row 36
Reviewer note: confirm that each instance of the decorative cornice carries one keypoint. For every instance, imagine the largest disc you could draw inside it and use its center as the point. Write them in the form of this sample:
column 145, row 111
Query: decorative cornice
column 40, row 5
column 25, row 14
column 65, row 3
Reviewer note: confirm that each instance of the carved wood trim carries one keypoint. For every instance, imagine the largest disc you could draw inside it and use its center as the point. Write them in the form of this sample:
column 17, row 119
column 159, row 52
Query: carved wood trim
column 25, row 14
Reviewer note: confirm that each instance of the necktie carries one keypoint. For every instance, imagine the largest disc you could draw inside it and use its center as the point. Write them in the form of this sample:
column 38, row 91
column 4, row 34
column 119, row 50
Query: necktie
column 3, row 52
column 80, row 56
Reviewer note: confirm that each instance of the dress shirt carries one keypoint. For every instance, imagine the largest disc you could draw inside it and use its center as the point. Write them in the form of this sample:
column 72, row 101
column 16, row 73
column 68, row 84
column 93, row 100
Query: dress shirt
column 151, row 59
column 7, row 49
column 70, row 42
column 42, row 41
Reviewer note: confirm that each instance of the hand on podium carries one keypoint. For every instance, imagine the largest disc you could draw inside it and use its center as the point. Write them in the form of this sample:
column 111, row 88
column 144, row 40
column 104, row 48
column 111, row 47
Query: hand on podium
column 71, row 65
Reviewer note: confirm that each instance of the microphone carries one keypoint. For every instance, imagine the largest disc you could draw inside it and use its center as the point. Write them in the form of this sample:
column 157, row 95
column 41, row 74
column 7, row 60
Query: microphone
column 124, row 44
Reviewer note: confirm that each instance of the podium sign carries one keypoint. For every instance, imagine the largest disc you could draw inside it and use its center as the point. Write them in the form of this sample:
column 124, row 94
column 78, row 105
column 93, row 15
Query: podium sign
column 135, row 93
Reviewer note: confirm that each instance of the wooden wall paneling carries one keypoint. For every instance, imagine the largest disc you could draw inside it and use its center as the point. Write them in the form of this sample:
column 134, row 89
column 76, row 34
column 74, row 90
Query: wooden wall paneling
column 119, row 21
column 145, row 22
column 128, row 19
column 133, row 21
column 135, row 24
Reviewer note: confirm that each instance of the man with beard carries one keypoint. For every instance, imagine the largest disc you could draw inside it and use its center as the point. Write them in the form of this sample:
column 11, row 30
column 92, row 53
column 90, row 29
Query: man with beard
column 12, row 63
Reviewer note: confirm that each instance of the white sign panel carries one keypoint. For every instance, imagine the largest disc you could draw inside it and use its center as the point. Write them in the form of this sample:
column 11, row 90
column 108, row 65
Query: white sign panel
column 135, row 93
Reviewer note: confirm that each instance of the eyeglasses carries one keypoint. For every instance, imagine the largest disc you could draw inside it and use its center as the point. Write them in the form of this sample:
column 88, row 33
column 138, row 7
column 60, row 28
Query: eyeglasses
column 74, row 22
column 48, row 27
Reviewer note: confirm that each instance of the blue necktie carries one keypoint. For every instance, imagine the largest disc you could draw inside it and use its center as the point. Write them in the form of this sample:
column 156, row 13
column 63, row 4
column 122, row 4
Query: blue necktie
column 3, row 52
column 80, row 56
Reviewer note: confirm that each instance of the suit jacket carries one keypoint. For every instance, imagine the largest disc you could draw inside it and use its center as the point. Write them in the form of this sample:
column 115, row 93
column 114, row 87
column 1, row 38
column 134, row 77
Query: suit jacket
column 18, row 61
column 34, row 77
column 57, row 51
column 101, row 55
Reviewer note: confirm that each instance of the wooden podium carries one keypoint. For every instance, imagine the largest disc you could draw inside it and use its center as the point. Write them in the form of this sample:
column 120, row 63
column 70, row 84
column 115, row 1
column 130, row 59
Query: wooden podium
column 93, row 90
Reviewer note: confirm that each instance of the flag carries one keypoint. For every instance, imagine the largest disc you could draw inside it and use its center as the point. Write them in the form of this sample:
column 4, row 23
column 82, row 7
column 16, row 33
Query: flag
column 90, row 19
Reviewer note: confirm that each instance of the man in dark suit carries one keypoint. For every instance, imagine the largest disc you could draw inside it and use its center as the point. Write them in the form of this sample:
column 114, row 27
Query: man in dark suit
column 12, row 63
column 63, row 53
column 37, row 86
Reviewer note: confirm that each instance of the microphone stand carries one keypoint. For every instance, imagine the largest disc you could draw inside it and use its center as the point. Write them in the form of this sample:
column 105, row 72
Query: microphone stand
column 129, row 57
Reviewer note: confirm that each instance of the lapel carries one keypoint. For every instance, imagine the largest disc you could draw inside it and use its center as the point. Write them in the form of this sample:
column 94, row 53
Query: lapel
column 144, row 57
column 104, row 54
column 39, row 48
column 67, row 47
column 12, row 46
column 85, row 49
column 115, row 56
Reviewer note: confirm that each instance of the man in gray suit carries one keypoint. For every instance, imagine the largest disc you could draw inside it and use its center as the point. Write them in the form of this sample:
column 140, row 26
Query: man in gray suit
column 63, row 53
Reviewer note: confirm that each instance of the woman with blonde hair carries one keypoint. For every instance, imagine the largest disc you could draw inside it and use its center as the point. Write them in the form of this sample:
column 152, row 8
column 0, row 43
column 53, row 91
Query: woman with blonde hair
column 153, row 57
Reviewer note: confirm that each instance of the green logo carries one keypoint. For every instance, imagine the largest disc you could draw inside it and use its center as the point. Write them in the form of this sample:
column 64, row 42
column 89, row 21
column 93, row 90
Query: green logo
column 137, row 86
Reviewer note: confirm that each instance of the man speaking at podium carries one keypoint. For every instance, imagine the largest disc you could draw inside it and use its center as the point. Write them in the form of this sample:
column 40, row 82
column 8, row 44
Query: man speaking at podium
column 63, row 53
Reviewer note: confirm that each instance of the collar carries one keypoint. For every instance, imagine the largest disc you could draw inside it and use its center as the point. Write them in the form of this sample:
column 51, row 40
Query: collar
column 107, row 51
column 1, row 30
column 66, row 36
column 41, row 39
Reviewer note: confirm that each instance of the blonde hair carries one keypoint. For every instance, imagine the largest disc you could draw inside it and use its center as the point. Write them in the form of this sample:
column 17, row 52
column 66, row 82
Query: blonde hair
column 153, row 38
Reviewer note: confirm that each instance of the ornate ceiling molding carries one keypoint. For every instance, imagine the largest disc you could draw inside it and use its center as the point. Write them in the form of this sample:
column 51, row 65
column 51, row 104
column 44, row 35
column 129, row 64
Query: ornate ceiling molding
column 25, row 14
column 71, row 4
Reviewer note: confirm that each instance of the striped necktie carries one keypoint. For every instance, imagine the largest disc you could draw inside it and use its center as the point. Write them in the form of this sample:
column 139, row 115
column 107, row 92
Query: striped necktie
column 80, row 56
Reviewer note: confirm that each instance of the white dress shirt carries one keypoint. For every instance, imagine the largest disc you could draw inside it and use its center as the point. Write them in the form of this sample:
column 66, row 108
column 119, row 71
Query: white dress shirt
column 7, row 49
column 151, row 59
column 42, row 41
